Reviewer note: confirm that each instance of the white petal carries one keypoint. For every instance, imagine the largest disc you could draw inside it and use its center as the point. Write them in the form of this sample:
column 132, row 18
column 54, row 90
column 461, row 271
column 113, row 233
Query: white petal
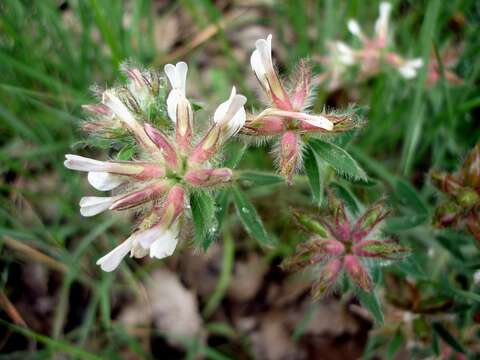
column 80, row 163
column 355, row 29
column 93, row 205
column 409, row 69
column 172, row 103
column 177, row 75
column 264, row 48
column 381, row 25
column 231, row 113
column 164, row 246
column 318, row 121
column 104, row 181
column 119, row 109
column 111, row 261
column 345, row 53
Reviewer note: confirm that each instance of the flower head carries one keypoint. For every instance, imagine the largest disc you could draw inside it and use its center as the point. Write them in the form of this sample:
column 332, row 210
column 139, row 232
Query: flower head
column 340, row 244
column 167, row 166
column 462, row 189
column 373, row 53
column 287, row 116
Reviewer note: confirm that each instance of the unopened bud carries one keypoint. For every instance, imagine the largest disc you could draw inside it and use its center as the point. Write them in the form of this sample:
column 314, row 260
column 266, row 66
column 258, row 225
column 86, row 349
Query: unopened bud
column 207, row 147
column 447, row 214
column 208, row 177
column 467, row 198
column 173, row 206
column 327, row 278
column 446, row 182
column 163, row 144
column 369, row 220
column 471, row 168
column 310, row 224
column 141, row 196
column 380, row 249
column 357, row 272
column 290, row 154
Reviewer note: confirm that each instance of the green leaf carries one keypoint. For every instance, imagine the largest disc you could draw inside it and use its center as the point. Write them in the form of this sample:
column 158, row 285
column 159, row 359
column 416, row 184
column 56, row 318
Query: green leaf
column 260, row 178
column 204, row 221
column 406, row 222
column 370, row 302
column 313, row 171
column 126, row 153
column 343, row 163
column 249, row 217
column 408, row 196
column 395, row 345
column 448, row 337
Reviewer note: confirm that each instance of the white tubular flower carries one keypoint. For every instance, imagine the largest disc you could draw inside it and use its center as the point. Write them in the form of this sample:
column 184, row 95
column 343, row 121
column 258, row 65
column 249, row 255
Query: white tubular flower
column 345, row 53
column 80, row 163
column 104, row 181
column 409, row 68
column 261, row 60
column 119, row 109
column 231, row 114
column 177, row 75
column 93, row 205
column 355, row 29
column 111, row 261
column 381, row 25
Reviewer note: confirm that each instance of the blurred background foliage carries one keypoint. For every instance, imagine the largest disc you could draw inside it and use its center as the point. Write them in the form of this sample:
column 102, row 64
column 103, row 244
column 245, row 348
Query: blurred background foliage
column 234, row 301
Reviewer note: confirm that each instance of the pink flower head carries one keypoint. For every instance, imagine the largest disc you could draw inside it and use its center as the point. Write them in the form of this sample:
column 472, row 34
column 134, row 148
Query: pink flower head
column 342, row 246
column 374, row 51
column 287, row 116
column 168, row 165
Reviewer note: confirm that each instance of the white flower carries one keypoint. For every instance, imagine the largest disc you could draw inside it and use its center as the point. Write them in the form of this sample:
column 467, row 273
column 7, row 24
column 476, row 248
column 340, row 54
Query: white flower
column 104, row 181
column 119, row 109
column 381, row 25
column 409, row 68
column 93, row 205
column 261, row 60
column 177, row 75
column 80, row 163
column 345, row 53
column 231, row 115
column 159, row 243
column 355, row 29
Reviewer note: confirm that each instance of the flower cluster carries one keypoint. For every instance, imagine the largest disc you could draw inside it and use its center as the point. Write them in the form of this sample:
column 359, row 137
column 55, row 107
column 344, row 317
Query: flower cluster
column 370, row 57
column 169, row 165
column 339, row 245
column 462, row 208
column 287, row 117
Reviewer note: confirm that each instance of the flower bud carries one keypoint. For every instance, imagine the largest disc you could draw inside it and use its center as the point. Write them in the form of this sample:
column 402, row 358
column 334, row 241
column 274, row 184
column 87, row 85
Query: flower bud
column 447, row 214
column 310, row 224
column 467, row 198
column 163, row 144
column 208, row 177
column 473, row 225
column 184, row 123
column 357, row 272
column 471, row 168
column 369, row 220
column 173, row 206
column 327, row 278
column 447, row 183
column 268, row 125
column 290, row 154
column 385, row 249
column 141, row 196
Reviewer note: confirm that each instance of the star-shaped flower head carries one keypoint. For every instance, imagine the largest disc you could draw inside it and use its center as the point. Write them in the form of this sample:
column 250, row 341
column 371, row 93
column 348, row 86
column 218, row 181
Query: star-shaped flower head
column 462, row 206
column 287, row 117
column 168, row 165
column 340, row 244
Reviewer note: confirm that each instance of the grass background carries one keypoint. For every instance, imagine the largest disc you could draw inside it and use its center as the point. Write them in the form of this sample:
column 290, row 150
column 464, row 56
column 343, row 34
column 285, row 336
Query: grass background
column 51, row 52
